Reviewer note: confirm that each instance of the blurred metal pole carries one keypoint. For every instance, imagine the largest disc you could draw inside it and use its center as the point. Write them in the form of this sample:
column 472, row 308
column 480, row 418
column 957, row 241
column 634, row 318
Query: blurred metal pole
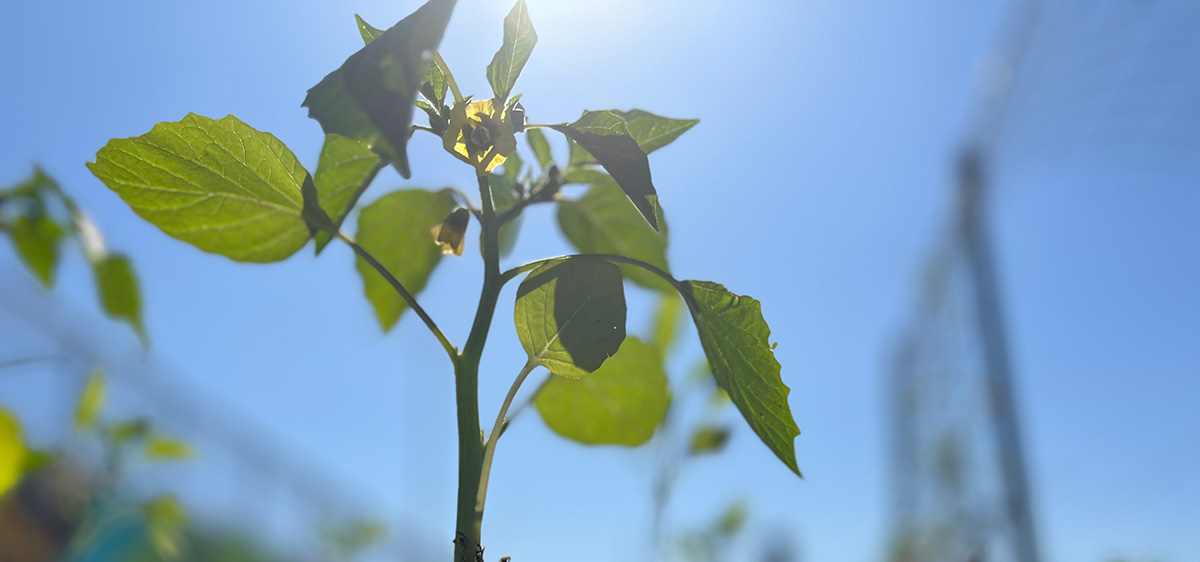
column 1000, row 390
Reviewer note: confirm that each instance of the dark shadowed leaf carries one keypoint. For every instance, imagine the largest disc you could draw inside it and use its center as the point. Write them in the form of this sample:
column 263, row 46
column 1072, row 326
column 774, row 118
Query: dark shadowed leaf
column 519, row 39
column 604, row 136
column 219, row 185
column 37, row 240
column 603, row 222
column 343, row 172
column 370, row 97
column 570, row 314
column 396, row 231
column 736, row 340
column 120, row 295
column 651, row 131
column 622, row 403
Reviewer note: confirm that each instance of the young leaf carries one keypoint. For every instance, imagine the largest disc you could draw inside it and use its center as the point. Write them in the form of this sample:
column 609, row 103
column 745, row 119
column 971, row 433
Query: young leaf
column 603, row 222
column 541, row 148
column 37, row 240
column 604, row 136
column 370, row 97
column 570, row 314
column 12, row 451
column 165, row 518
column 219, row 185
column 708, row 440
column 651, row 131
column 369, row 33
column 343, row 172
column 90, row 402
column 163, row 448
column 519, row 39
column 736, row 340
column 622, row 403
column 395, row 230
column 120, row 296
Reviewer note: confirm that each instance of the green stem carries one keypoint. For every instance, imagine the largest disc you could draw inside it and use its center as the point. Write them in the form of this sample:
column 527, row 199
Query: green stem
column 489, row 449
column 437, row 59
column 404, row 294
column 470, row 441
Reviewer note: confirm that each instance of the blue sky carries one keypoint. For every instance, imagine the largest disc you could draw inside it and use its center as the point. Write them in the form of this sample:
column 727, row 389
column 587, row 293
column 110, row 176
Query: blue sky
column 816, row 181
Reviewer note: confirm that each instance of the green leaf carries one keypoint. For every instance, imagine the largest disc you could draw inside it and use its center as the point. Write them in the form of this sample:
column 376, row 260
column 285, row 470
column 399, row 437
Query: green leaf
column 651, row 131
column 345, row 169
column 370, row 97
column 603, row 222
column 90, row 402
column 504, row 196
column 12, row 451
column 622, row 403
column 120, row 296
column 570, row 314
column 736, row 341
column 541, row 148
column 396, row 231
column 733, row 519
column 585, row 175
column 708, row 440
column 127, row 431
column 37, row 240
column 604, row 136
column 519, row 39
column 163, row 448
column 577, row 156
column 219, row 185
column 165, row 517
column 368, row 32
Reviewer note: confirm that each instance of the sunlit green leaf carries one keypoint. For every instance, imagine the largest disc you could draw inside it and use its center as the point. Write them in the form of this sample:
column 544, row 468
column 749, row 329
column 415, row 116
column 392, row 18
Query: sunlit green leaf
column 165, row 518
column 707, row 440
column 126, row 431
column 570, row 314
column 736, row 340
column 396, row 230
column 603, row 222
column 369, row 33
column 345, row 168
column 540, row 146
column 163, row 448
column 370, row 97
column 217, row 184
column 622, row 403
column 120, row 295
column 604, row 136
column 37, row 240
column 12, row 451
column 519, row 39
column 91, row 400
column 733, row 519
column 651, row 131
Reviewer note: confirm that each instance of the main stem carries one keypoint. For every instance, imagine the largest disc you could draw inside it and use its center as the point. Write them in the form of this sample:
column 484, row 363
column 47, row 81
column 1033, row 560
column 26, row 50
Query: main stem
column 466, row 376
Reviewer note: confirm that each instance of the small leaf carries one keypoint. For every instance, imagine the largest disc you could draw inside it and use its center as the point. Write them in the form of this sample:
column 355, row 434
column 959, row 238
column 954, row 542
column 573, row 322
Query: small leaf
column 127, row 431
column 370, row 97
column 163, row 448
column 90, row 402
column 570, row 314
column 622, row 403
column 519, row 39
column 120, row 296
column 604, row 136
column 165, row 517
column 736, row 341
column 541, row 147
column 12, row 451
column 368, row 32
column 603, row 222
column 395, row 230
column 343, row 172
column 708, row 440
column 651, row 131
column 219, row 185
column 37, row 239
column 733, row 519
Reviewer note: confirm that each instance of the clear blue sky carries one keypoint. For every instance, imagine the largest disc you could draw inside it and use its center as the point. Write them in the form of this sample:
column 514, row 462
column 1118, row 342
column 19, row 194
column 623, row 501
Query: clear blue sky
column 815, row 182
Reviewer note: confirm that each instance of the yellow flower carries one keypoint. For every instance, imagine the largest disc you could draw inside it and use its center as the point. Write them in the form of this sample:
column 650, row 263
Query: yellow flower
column 479, row 136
